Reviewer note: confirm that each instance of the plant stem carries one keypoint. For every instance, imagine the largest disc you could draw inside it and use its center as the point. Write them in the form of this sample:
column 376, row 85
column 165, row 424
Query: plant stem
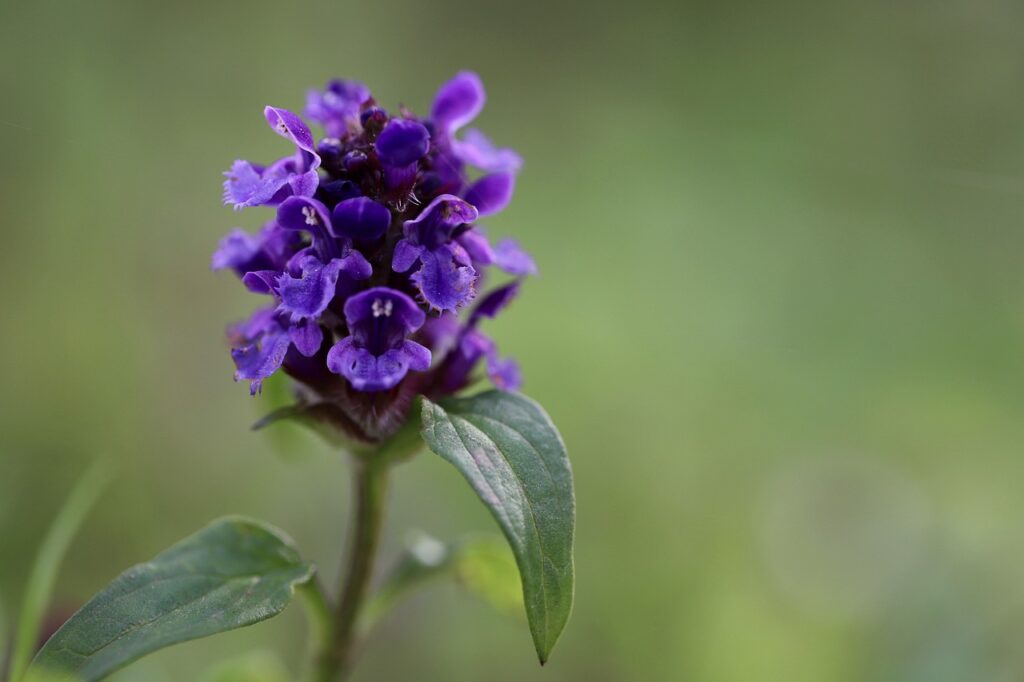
column 370, row 484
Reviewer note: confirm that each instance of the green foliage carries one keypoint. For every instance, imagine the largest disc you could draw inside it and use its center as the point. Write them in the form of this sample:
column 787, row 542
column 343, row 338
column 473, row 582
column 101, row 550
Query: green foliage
column 483, row 566
column 257, row 666
column 51, row 554
column 423, row 559
column 488, row 569
column 506, row 447
column 233, row 573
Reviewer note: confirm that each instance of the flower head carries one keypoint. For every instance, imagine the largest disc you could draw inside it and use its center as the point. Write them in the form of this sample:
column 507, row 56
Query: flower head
column 374, row 253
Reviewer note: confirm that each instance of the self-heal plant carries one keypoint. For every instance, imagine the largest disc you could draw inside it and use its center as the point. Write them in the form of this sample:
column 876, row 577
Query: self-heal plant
column 373, row 268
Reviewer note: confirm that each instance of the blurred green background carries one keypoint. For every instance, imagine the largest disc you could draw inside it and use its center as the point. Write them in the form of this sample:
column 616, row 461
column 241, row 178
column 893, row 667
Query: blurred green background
column 780, row 320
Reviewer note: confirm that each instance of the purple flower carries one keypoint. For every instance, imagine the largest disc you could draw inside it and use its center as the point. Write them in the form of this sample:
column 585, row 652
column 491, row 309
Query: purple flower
column 249, row 185
column 471, row 345
column 377, row 354
column 445, row 277
column 244, row 253
column 337, row 107
column 261, row 343
column 381, row 209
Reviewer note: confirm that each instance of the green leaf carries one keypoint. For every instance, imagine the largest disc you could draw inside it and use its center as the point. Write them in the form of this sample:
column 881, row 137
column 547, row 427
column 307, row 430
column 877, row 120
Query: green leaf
column 507, row 448
column 488, row 569
column 233, row 573
column 483, row 566
column 51, row 554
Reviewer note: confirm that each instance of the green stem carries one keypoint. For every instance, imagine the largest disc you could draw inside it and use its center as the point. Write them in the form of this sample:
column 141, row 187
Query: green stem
column 370, row 481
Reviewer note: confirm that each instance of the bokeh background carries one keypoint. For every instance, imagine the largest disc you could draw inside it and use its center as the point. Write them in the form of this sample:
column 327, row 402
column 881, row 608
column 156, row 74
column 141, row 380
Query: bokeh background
column 780, row 320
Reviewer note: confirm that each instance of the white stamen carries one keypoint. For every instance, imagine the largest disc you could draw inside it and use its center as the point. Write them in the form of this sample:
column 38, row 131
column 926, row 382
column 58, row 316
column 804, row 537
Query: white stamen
column 381, row 307
column 310, row 214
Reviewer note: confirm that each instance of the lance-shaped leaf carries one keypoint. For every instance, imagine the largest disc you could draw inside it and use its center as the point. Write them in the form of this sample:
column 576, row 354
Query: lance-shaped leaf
column 513, row 457
column 234, row 572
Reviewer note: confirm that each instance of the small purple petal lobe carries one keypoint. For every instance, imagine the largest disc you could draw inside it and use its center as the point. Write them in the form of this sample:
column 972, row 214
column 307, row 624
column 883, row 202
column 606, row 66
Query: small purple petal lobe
column 355, row 266
column 307, row 337
column 445, row 281
column 261, row 281
column 504, row 373
column 513, row 259
column 458, row 102
column 337, row 107
column 245, row 186
column 257, row 361
column 435, row 224
column 291, row 127
column 405, row 256
column 402, row 142
column 494, row 302
column 235, row 251
column 309, row 295
column 477, row 150
column 476, row 245
column 491, row 193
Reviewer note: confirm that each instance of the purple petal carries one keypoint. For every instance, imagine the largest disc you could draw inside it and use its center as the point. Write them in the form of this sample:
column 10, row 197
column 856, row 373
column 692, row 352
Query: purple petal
column 458, row 102
column 444, row 282
column 441, row 333
column 402, row 142
column 303, row 213
column 513, row 259
column 260, row 322
column 491, row 193
column 258, row 361
column 459, row 364
column 309, row 295
column 355, row 265
column 504, row 372
column 360, row 218
column 477, row 150
column 307, row 336
column 406, row 254
column 476, row 245
column 337, row 107
column 304, row 185
column 435, row 224
column 261, row 281
column 291, row 127
column 382, row 311
column 417, row 356
column 307, row 215
column 494, row 302
column 368, row 372
column 239, row 251
column 245, row 186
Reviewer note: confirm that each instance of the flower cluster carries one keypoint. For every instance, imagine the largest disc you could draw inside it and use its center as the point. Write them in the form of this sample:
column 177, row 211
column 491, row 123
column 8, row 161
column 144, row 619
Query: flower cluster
column 373, row 254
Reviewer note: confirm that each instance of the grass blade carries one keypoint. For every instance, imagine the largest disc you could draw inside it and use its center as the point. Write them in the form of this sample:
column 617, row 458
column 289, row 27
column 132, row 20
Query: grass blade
column 51, row 554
